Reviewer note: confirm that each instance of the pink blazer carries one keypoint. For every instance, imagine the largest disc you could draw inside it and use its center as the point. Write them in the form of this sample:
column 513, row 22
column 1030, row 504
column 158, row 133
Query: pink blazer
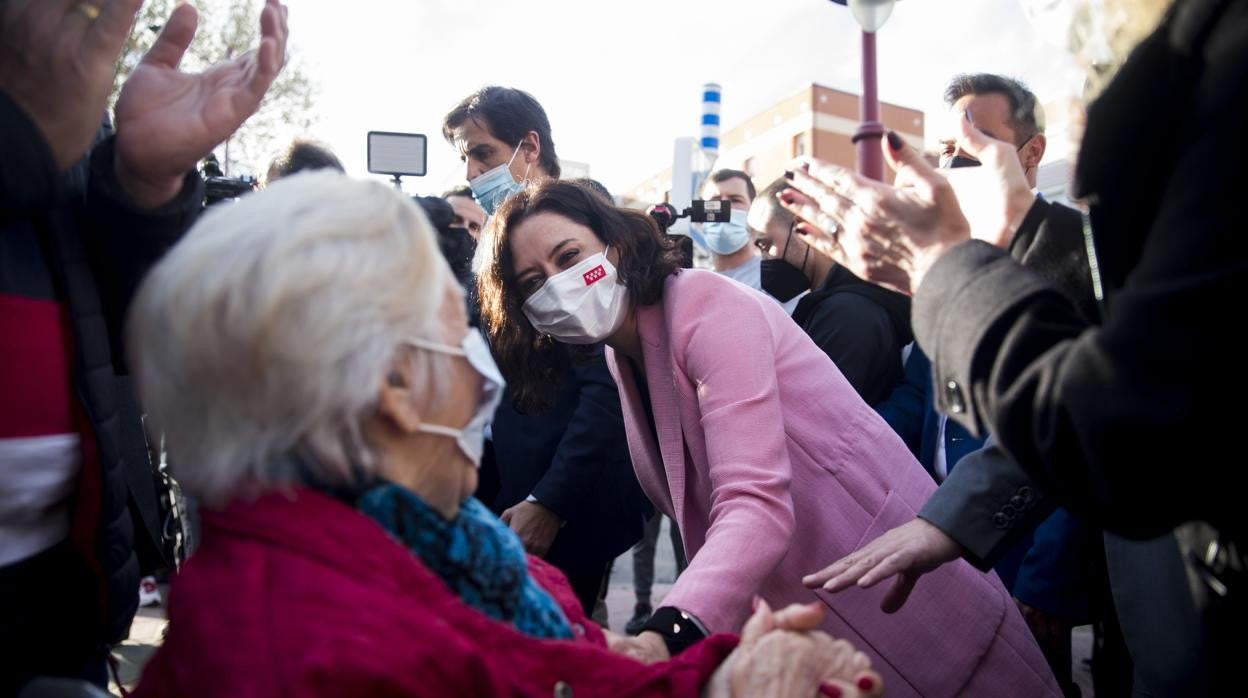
column 773, row 467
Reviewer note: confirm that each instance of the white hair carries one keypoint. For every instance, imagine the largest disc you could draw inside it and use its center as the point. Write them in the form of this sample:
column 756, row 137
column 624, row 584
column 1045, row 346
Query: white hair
column 268, row 331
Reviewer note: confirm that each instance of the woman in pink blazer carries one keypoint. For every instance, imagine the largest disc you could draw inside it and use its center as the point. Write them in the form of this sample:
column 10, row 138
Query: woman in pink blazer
column 745, row 434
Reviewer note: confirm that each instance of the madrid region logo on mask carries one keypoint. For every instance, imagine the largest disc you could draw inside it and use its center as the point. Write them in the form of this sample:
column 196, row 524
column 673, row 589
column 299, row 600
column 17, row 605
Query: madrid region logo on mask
column 594, row 275
column 584, row 312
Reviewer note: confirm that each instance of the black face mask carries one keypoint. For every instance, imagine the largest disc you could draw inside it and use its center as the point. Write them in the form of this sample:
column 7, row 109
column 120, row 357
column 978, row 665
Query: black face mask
column 960, row 161
column 782, row 280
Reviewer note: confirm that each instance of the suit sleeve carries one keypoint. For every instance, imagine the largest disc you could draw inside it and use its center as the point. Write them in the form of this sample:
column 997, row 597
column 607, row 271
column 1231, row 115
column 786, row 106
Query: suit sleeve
column 1100, row 415
column 905, row 409
column 594, row 439
column 986, row 504
column 750, row 506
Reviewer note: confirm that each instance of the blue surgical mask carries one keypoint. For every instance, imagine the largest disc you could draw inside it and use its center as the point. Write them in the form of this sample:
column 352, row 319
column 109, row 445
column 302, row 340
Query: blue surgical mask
column 491, row 188
column 727, row 236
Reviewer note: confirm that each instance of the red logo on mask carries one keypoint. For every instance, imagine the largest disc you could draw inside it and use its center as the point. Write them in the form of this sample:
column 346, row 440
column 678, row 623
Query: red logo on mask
column 594, row 275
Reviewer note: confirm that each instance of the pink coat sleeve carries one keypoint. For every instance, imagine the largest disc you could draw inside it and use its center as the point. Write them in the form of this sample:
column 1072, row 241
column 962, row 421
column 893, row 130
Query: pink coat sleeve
column 751, row 511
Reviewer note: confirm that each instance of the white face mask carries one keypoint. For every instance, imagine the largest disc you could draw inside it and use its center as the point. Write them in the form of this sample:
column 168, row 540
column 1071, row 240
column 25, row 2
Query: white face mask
column 581, row 305
column 470, row 437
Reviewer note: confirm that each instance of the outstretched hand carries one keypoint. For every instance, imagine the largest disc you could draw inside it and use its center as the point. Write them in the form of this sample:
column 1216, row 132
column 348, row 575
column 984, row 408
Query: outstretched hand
column 168, row 120
column 907, row 552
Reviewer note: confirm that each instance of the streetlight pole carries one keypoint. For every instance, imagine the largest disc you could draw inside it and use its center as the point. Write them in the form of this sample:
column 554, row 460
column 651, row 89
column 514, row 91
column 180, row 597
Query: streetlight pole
column 870, row 15
column 870, row 130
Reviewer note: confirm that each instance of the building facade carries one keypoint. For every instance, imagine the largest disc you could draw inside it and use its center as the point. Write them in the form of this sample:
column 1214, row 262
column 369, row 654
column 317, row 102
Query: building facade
column 816, row 120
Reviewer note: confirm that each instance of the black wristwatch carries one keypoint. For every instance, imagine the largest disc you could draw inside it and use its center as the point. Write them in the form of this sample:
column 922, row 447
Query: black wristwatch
column 680, row 630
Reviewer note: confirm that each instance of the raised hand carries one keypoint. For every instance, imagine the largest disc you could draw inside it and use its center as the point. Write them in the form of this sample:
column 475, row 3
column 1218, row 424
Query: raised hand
column 995, row 197
column 168, row 120
column 57, row 59
column 886, row 234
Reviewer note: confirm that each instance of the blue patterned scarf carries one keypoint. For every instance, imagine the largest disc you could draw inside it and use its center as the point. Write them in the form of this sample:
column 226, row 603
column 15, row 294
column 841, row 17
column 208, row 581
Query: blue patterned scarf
column 476, row 555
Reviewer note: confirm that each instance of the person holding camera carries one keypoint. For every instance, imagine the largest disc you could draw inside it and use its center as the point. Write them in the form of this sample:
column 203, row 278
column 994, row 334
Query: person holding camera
column 80, row 226
column 746, row 434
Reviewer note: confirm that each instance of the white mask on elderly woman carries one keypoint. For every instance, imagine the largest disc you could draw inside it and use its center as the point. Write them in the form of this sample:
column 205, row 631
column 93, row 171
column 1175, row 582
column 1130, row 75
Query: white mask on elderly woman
column 470, row 437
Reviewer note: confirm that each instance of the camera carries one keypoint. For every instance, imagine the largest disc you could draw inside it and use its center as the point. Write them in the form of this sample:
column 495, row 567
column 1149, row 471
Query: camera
column 218, row 187
column 699, row 211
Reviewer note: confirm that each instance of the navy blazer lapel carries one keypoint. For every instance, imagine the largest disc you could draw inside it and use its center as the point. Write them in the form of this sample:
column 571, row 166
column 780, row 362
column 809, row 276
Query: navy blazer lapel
column 647, row 460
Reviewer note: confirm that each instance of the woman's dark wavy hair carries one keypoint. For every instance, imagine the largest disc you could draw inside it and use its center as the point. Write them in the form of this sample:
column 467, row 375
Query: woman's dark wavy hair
column 532, row 362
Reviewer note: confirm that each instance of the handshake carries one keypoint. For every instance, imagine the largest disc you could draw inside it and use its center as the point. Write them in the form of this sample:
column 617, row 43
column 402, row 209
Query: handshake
column 781, row 653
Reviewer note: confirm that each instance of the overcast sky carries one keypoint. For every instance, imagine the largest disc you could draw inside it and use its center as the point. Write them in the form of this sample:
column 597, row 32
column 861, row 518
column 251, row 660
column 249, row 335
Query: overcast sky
column 620, row 80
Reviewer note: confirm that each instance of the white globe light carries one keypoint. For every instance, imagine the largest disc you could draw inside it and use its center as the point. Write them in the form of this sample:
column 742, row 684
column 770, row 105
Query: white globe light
column 871, row 14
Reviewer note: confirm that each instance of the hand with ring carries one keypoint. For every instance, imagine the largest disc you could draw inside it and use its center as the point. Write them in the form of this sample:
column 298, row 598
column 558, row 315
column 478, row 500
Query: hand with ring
column 57, row 60
column 885, row 234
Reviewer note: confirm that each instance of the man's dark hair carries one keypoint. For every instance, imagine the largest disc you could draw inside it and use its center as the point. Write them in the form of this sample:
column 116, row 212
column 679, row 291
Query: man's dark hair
column 719, row 176
column 457, row 191
column 1026, row 117
column 767, row 197
column 303, row 155
column 509, row 115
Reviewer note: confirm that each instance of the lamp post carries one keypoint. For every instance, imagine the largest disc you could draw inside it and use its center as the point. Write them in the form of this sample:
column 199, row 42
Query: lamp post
column 870, row 15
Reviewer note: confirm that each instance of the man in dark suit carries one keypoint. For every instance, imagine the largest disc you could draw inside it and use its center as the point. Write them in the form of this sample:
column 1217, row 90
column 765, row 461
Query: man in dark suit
column 1122, row 420
column 1050, row 581
column 911, row 411
column 566, row 485
column 571, row 460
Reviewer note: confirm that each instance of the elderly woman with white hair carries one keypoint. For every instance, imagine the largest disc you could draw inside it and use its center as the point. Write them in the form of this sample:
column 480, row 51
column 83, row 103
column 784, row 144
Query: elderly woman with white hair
column 306, row 354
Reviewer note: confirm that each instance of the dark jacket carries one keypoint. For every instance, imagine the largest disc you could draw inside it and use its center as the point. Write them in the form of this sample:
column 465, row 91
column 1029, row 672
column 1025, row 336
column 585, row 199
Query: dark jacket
column 1045, row 568
column 989, row 504
column 89, row 252
column 573, row 458
column 911, row 412
column 861, row 327
column 1125, row 420
column 1101, row 414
